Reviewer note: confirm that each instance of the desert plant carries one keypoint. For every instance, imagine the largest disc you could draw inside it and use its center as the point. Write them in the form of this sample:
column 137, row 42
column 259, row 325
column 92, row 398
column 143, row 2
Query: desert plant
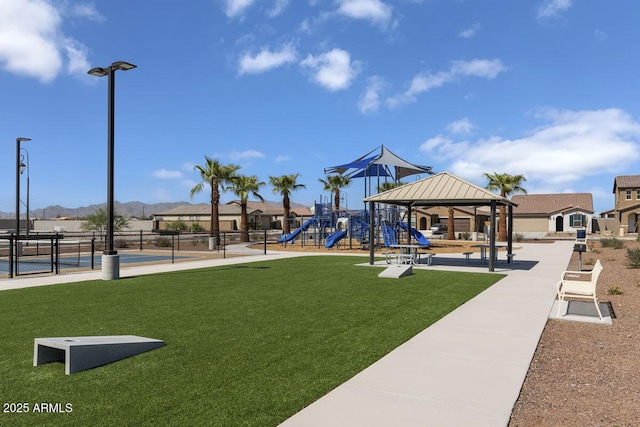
column 589, row 261
column 518, row 237
column 195, row 227
column 614, row 290
column 121, row 243
column 612, row 242
column 633, row 257
column 466, row 235
column 178, row 225
column 163, row 242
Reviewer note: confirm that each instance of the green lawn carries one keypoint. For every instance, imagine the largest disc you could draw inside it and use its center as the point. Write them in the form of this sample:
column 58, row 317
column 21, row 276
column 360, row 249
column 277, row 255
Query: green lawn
column 247, row 345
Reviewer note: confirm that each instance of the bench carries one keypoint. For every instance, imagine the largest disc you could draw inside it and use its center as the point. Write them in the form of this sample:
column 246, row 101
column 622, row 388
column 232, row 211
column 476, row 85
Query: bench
column 428, row 257
column 581, row 289
column 467, row 254
column 399, row 258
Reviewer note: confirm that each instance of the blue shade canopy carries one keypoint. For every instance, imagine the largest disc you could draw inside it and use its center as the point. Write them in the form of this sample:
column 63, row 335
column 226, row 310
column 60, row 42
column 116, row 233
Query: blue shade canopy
column 384, row 163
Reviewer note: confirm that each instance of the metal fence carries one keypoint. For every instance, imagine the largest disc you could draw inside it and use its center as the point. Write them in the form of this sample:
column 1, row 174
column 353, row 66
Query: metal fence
column 40, row 253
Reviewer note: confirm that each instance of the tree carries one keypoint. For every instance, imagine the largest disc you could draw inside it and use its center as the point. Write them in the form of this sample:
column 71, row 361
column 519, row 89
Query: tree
column 98, row 221
column 389, row 185
column 217, row 176
column 242, row 187
column 334, row 184
column 451, row 227
column 506, row 184
column 284, row 185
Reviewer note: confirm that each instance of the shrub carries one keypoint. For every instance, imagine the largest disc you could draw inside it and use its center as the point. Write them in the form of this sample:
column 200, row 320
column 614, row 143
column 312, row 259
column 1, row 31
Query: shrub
column 195, row 227
column 612, row 242
column 176, row 226
column 163, row 242
column 121, row 243
column 466, row 235
column 518, row 237
column 633, row 257
column 614, row 290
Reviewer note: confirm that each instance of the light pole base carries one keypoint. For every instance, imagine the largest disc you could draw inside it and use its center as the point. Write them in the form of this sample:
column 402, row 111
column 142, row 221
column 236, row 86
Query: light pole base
column 212, row 243
column 110, row 267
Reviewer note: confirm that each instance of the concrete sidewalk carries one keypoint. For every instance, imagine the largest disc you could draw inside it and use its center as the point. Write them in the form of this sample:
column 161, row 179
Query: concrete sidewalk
column 466, row 369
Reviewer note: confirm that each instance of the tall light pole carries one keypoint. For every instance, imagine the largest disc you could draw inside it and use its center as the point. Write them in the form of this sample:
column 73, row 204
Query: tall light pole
column 22, row 168
column 18, row 162
column 110, row 259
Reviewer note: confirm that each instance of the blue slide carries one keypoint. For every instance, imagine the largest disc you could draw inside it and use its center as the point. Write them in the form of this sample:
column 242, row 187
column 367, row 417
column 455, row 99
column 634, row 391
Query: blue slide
column 335, row 238
column 415, row 234
column 289, row 237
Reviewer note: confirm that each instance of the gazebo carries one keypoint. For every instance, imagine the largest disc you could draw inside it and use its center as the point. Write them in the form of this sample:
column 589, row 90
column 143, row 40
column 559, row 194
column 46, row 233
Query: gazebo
column 444, row 189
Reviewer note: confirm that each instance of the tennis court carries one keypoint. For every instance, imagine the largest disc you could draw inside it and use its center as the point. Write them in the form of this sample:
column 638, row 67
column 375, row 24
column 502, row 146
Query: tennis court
column 33, row 265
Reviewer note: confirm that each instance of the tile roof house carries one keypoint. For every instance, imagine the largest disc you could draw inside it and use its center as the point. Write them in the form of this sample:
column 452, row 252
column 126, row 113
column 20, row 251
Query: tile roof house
column 539, row 214
column 626, row 189
column 201, row 214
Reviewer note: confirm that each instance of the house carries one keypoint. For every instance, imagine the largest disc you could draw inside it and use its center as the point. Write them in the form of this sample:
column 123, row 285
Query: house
column 272, row 214
column 465, row 218
column 229, row 216
column 538, row 214
column 626, row 189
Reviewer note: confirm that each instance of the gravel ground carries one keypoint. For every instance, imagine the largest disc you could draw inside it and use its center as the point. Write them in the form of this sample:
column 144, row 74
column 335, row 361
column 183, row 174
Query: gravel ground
column 585, row 374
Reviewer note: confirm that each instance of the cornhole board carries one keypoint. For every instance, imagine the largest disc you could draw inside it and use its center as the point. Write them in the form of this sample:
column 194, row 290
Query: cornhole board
column 81, row 353
column 396, row 271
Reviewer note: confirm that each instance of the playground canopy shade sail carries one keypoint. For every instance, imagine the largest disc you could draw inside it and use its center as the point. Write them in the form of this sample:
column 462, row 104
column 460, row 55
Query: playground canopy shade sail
column 383, row 164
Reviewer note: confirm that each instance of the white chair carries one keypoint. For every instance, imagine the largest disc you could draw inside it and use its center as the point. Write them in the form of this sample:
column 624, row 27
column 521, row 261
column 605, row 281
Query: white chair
column 581, row 289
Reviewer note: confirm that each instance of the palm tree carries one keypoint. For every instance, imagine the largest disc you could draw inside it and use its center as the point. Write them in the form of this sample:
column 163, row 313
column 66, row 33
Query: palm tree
column 451, row 227
column 389, row 185
column 284, row 185
column 216, row 176
column 335, row 183
column 242, row 187
column 506, row 184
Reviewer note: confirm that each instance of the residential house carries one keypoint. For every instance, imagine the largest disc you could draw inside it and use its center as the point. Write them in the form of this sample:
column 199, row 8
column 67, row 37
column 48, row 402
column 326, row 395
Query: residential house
column 271, row 214
column 229, row 216
column 626, row 189
column 465, row 218
column 539, row 214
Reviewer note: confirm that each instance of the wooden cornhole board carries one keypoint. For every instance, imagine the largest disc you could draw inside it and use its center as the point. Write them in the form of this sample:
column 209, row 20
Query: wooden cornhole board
column 81, row 353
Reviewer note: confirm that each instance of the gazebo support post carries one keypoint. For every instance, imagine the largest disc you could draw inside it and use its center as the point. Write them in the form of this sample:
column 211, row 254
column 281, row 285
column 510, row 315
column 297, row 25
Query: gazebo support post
column 371, row 232
column 510, row 232
column 492, row 237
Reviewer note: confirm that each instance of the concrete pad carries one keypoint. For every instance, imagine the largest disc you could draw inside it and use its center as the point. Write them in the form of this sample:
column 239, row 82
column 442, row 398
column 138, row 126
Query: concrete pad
column 81, row 353
column 582, row 311
column 396, row 271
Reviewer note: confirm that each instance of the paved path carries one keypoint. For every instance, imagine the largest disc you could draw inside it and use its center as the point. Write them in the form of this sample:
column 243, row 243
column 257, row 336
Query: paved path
column 465, row 370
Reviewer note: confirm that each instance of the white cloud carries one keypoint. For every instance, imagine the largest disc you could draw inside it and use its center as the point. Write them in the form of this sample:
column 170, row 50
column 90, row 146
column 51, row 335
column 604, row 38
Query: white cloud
column 32, row 43
column 485, row 68
column 570, row 146
column 282, row 158
column 88, row 11
column 470, row 32
column 372, row 10
column 460, row 126
column 553, row 8
column 370, row 99
column 278, row 7
column 234, row 8
column 266, row 60
column 334, row 69
column 244, row 155
column 167, row 174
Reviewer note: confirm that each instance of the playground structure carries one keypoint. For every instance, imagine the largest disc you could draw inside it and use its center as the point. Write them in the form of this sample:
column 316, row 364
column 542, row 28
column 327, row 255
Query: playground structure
column 330, row 228
column 351, row 228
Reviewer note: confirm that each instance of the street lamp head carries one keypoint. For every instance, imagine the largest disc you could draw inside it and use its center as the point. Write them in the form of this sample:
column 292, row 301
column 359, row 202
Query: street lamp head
column 22, row 167
column 22, row 139
column 98, row 72
column 124, row 66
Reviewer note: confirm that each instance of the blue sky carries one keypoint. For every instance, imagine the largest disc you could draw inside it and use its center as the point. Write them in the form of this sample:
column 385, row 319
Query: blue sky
column 543, row 88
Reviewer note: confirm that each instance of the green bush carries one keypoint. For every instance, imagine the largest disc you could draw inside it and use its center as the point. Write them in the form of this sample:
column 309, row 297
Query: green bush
column 176, row 226
column 121, row 243
column 163, row 242
column 612, row 242
column 633, row 257
column 518, row 237
column 195, row 227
